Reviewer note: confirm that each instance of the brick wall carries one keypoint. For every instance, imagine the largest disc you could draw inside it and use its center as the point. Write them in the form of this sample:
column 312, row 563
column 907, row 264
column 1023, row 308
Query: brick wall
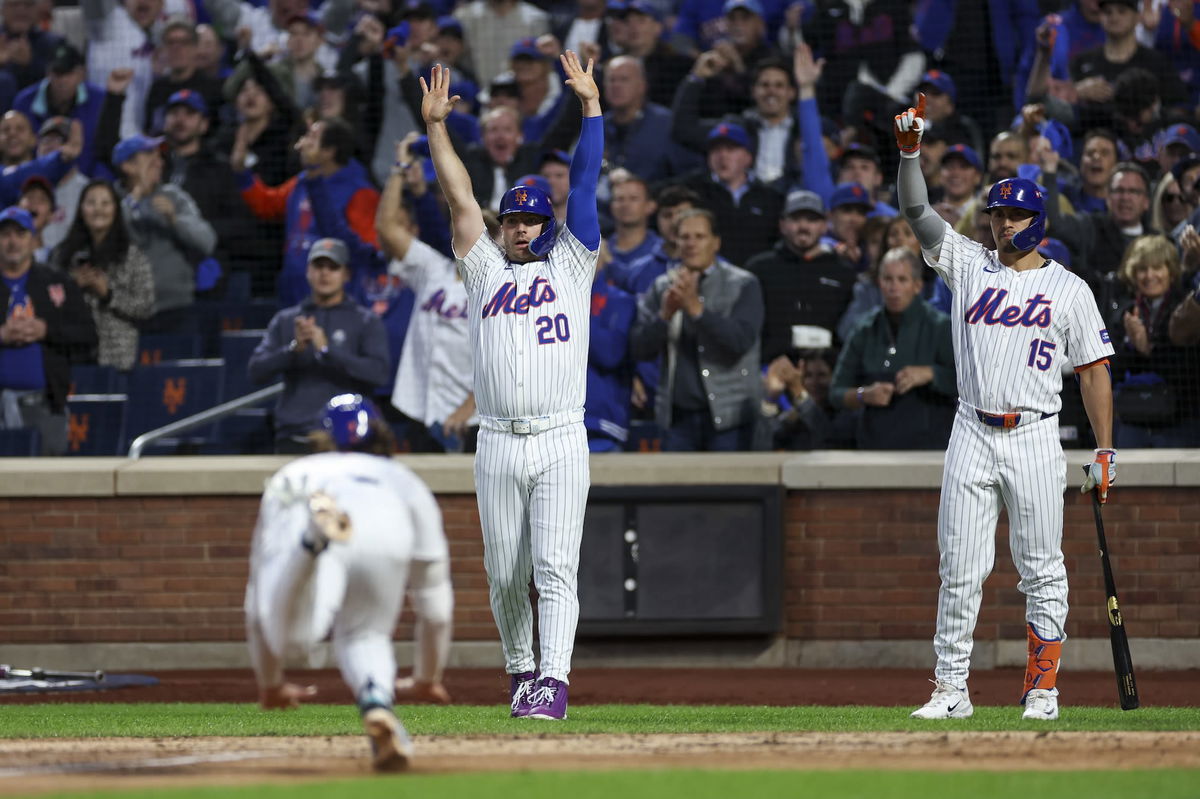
column 859, row 565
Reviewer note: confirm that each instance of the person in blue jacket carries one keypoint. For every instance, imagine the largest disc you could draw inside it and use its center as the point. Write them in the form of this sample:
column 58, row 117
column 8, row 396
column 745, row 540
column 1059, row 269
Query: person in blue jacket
column 609, row 369
column 64, row 92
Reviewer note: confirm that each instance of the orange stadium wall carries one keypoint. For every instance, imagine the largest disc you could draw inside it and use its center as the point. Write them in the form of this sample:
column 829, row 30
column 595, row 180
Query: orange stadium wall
column 150, row 565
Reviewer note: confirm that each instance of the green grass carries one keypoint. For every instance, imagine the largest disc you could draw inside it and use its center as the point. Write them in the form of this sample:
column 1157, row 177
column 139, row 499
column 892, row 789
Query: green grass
column 1165, row 784
column 194, row 720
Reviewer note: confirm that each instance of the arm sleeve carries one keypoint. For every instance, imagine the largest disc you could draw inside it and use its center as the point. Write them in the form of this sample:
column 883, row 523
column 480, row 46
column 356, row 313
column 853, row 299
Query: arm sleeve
column 132, row 287
column 846, row 373
column 190, row 227
column 687, row 128
column 271, row 358
column 268, row 203
column 585, row 175
column 913, row 196
column 817, row 176
column 649, row 332
column 736, row 333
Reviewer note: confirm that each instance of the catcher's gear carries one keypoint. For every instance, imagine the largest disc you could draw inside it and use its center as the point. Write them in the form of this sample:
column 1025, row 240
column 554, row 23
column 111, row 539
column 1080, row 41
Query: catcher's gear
column 1100, row 473
column 531, row 200
column 347, row 419
column 1021, row 193
column 910, row 126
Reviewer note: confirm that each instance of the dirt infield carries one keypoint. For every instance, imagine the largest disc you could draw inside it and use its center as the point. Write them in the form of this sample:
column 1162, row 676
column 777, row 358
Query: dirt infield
column 781, row 687
column 113, row 764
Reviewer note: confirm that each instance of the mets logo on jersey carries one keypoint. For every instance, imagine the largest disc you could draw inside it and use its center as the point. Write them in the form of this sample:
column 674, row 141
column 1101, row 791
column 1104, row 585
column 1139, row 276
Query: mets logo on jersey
column 991, row 309
column 506, row 299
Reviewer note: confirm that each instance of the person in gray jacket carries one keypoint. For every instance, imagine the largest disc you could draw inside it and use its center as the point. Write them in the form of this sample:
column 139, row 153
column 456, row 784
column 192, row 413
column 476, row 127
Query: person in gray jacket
column 325, row 346
column 703, row 319
column 166, row 225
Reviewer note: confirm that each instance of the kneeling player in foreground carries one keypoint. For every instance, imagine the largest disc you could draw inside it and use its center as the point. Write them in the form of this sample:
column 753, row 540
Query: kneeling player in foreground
column 340, row 536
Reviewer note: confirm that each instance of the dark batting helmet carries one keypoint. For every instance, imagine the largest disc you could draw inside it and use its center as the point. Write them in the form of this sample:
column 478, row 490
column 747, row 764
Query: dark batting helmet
column 347, row 419
column 1021, row 193
column 531, row 200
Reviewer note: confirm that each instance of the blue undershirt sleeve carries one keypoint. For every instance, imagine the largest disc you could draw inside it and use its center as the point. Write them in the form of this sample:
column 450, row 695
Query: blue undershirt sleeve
column 582, row 220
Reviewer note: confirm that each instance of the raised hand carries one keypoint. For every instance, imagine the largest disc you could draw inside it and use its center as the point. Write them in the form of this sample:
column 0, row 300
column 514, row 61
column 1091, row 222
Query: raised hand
column 578, row 78
column 806, row 70
column 437, row 103
column 910, row 126
column 119, row 80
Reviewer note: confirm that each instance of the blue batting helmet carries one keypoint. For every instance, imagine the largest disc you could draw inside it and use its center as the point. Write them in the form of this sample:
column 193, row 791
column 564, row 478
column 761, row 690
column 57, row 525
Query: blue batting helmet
column 522, row 199
column 347, row 419
column 1021, row 193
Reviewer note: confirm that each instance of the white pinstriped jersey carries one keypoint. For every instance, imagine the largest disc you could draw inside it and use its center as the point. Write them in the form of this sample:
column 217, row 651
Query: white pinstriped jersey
column 530, row 326
column 1013, row 329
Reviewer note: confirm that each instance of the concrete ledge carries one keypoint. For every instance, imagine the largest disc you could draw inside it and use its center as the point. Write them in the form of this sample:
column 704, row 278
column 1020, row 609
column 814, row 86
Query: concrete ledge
column 1080, row 654
column 58, row 477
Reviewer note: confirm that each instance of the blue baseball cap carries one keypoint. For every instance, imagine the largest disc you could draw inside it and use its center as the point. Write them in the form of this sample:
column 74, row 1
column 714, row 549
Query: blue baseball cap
column 1055, row 250
column 18, row 216
column 616, row 8
column 128, row 148
column 847, row 194
column 940, row 81
column 560, row 156
column 396, row 37
column 536, row 181
column 753, row 6
column 526, row 48
column 450, row 24
column 964, row 152
column 1181, row 134
column 729, row 132
column 643, row 7
column 859, row 150
column 192, row 99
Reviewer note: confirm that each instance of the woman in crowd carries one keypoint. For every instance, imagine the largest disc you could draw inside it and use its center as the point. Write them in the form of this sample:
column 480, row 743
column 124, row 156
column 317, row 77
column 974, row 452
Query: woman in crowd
column 799, row 394
column 114, row 274
column 1156, row 383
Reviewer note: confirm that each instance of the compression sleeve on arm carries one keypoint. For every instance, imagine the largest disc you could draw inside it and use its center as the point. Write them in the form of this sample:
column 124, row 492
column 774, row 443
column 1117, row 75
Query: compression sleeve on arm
column 928, row 227
column 433, row 603
column 585, row 174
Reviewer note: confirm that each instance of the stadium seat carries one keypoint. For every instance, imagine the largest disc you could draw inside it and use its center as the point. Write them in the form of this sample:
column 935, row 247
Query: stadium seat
column 169, row 391
column 94, row 424
column 93, row 379
column 236, row 348
column 22, row 442
column 644, row 436
column 154, row 348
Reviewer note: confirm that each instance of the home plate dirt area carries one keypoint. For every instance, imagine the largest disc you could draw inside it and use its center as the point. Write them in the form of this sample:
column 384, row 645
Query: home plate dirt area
column 33, row 766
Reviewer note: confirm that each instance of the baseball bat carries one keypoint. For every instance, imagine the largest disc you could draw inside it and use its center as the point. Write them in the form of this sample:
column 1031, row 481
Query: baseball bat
column 1122, row 662
column 36, row 673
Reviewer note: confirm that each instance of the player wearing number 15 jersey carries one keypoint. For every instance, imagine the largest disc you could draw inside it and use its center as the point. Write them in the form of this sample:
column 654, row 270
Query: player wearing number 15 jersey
column 530, row 308
column 1016, row 317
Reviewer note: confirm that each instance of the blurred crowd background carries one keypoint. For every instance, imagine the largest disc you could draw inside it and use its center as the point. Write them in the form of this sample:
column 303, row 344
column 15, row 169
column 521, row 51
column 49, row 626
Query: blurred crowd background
column 205, row 197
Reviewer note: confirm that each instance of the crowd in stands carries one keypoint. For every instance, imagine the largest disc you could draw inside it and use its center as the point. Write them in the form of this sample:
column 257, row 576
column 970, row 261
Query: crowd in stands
column 756, row 287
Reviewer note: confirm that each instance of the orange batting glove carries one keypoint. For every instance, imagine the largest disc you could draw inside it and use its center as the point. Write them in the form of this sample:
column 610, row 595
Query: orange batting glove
column 1100, row 474
column 909, row 127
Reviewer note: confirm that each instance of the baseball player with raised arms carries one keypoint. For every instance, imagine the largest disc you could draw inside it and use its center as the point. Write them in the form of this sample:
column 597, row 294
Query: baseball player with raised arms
column 1015, row 316
column 340, row 536
column 530, row 311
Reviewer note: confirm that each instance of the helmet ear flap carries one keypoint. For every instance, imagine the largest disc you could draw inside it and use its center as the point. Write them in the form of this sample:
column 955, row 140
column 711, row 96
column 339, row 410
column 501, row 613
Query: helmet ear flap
column 545, row 240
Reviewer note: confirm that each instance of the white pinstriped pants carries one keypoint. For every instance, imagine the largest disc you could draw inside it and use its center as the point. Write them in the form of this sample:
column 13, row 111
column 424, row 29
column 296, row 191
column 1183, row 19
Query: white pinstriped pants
column 1025, row 469
column 532, row 493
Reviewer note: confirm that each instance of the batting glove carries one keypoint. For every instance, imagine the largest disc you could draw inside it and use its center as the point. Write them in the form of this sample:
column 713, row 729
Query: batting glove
column 910, row 126
column 1101, row 473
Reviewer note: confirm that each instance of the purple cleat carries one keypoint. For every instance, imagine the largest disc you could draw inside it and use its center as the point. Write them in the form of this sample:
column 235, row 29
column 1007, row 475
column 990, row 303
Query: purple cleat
column 548, row 700
column 520, row 689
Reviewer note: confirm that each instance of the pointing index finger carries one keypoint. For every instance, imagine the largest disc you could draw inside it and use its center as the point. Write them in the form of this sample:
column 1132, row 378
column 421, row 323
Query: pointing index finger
column 920, row 105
